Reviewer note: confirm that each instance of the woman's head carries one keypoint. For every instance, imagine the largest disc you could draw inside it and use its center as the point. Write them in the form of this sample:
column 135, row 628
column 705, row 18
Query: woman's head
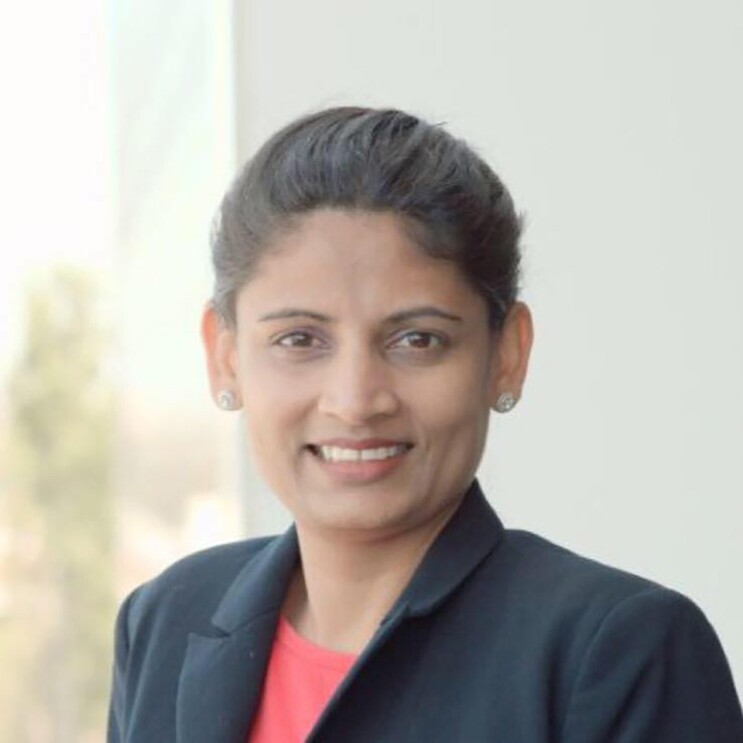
column 382, row 160
column 365, row 317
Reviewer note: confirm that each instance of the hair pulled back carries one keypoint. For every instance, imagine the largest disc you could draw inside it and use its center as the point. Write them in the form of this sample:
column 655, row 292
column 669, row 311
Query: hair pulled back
column 454, row 205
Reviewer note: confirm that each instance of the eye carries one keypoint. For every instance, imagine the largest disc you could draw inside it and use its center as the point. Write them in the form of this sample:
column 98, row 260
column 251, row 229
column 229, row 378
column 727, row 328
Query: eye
column 420, row 340
column 298, row 339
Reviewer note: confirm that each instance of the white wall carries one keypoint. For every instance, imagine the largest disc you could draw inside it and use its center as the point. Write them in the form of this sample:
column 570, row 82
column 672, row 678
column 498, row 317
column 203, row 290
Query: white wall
column 617, row 127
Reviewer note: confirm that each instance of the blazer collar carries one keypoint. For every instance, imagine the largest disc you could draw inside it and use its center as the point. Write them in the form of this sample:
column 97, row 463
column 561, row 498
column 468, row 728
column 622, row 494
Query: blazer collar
column 261, row 585
column 471, row 534
column 222, row 674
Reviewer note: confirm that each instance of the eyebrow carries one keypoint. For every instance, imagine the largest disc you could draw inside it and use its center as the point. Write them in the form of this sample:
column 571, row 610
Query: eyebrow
column 292, row 312
column 402, row 316
column 425, row 311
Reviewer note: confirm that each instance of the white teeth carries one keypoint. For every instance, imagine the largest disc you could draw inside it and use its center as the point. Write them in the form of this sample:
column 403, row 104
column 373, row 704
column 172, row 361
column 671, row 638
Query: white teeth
column 338, row 454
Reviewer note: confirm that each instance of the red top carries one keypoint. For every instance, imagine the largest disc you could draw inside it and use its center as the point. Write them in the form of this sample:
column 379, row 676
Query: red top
column 300, row 679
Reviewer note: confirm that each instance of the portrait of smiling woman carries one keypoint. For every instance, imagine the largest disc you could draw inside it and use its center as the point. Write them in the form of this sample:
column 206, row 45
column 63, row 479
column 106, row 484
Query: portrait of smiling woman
column 366, row 321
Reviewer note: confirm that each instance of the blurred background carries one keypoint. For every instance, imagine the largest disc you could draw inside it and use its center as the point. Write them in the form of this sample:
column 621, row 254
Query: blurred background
column 617, row 128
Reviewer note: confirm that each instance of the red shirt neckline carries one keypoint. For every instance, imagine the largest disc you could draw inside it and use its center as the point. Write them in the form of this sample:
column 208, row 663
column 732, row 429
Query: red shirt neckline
column 287, row 636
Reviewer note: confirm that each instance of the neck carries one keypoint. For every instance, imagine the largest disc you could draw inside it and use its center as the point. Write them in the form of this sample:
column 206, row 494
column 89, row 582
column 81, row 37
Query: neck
column 343, row 589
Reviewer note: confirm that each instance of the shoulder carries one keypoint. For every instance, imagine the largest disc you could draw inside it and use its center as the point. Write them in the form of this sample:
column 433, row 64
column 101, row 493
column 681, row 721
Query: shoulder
column 555, row 595
column 554, row 571
column 630, row 649
column 613, row 609
column 222, row 560
column 612, row 616
column 191, row 588
column 621, row 645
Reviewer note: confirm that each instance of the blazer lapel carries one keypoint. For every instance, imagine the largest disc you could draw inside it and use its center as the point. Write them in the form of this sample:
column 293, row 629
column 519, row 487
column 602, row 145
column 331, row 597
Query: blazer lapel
column 222, row 673
column 471, row 534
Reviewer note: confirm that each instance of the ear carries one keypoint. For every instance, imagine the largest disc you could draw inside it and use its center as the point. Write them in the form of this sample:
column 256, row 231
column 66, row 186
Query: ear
column 511, row 352
column 220, row 348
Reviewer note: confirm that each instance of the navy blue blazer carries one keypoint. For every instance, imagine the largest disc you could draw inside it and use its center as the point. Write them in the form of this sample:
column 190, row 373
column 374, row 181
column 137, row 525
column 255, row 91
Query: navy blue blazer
column 500, row 637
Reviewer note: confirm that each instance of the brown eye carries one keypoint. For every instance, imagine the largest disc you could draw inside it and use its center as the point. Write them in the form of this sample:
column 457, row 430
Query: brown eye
column 298, row 339
column 420, row 340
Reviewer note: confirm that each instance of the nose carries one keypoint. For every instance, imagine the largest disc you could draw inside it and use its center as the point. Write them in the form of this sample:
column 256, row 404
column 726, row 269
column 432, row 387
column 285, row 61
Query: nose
column 358, row 387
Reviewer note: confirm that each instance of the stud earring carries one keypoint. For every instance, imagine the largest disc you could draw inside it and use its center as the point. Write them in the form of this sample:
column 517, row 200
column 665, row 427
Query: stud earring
column 226, row 400
column 505, row 402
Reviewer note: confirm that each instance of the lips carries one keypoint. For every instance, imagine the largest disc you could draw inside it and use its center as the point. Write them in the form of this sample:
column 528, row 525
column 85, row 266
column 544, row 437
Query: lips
column 337, row 454
column 359, row 460
column 354, row 450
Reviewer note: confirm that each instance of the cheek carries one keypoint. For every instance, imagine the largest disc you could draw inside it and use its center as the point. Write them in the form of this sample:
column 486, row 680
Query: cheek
column 263, row 389
column 275, row 413
column 454, row 398
column 457, row 423
column 274, row 436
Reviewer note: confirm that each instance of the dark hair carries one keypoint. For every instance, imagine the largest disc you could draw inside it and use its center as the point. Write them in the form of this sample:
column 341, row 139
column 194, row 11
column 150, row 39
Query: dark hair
column 379, row 160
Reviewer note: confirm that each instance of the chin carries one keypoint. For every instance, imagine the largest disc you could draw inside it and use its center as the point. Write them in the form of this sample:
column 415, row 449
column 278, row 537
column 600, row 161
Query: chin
column 363, row 515
column 375, row 509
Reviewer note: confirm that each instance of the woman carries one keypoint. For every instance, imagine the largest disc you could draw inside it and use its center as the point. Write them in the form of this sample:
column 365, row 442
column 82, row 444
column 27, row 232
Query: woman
column 365, row 318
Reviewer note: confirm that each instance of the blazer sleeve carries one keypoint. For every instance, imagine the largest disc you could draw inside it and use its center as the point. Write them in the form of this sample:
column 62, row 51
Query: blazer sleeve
column 654, row 672
column 117, row 703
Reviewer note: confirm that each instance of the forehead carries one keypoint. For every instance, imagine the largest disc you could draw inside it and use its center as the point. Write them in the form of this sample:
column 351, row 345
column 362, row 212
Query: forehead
column 341, row 261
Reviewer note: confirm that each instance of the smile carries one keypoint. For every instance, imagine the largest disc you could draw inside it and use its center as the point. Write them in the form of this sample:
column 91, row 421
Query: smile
column 339, row 454
column 359, row 464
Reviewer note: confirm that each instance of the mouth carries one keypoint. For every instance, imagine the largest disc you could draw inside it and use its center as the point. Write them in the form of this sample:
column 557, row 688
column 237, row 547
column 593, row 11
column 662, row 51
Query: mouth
column 376, row 453
column 359, row 462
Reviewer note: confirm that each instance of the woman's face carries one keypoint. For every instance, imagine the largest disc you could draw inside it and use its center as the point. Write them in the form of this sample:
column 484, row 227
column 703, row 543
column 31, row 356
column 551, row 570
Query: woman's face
column 366, row 370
